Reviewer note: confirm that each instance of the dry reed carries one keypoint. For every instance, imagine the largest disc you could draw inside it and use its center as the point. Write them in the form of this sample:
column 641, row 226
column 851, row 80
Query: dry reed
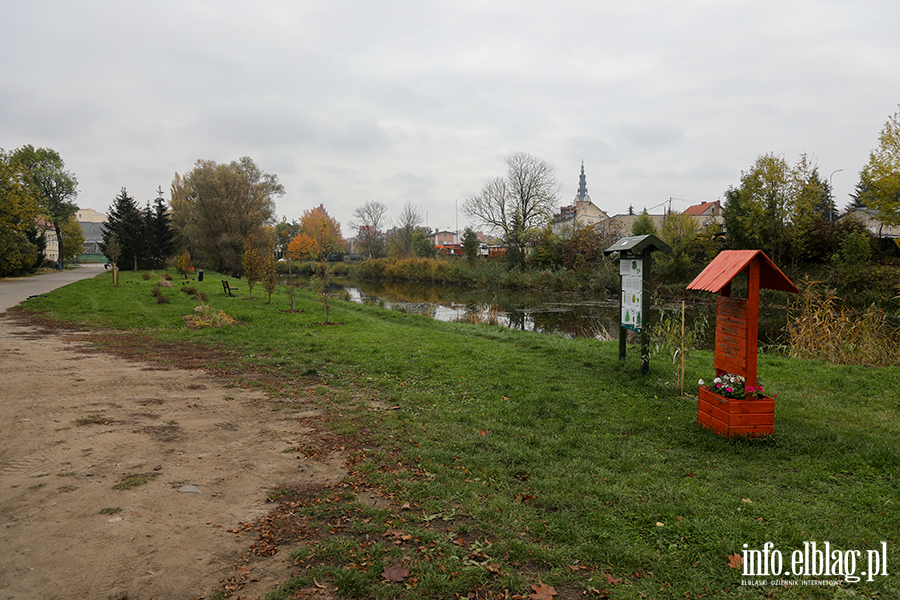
column 821, row 326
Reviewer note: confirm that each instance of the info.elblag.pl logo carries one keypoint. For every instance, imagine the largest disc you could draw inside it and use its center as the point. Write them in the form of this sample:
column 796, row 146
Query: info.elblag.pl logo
column 816, row 561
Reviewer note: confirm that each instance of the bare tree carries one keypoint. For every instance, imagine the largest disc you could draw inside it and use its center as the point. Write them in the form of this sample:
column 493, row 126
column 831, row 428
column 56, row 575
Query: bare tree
column 523, row 200
column 368, row 222
column 409, row 220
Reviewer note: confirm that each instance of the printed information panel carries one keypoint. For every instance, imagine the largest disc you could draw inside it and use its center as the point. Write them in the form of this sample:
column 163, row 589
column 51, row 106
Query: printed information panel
column 632, row 272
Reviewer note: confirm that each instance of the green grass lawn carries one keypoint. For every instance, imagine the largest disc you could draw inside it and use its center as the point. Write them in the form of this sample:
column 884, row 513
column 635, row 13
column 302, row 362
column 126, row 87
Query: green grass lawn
column 530, row 458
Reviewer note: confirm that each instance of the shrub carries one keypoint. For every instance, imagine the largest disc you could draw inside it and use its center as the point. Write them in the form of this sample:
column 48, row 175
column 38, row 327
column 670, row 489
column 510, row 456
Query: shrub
column 189, row 290
column 146, row 276
column 167, row 277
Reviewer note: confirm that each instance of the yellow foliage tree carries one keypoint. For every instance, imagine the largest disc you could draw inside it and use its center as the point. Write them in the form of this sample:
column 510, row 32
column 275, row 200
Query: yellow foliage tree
column 881, row 175
column 254, row 264
column 183, row 265
column 302, row 247
column 322, row 235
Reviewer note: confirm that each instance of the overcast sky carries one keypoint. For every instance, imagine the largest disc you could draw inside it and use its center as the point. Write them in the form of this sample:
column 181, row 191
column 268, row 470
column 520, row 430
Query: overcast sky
column 396, row 101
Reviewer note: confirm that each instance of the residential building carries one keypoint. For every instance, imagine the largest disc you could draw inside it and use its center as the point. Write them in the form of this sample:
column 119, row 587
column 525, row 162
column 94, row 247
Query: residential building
column 870, row 218
column 443, row 238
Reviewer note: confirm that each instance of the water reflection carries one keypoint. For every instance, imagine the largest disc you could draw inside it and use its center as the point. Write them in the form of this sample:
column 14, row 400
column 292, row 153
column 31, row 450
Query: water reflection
column 570, row 315
column 562, row 314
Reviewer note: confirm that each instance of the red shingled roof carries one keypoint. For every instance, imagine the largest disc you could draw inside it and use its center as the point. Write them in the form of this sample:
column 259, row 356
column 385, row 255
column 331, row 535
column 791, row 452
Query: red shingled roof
column 698, row 209
column 728, row 263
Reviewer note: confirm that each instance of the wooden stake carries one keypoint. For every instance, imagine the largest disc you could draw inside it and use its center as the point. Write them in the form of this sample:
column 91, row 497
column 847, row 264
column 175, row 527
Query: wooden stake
column 682, row 347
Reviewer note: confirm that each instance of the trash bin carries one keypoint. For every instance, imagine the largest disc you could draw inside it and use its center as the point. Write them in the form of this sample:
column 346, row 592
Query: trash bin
column 200, row 275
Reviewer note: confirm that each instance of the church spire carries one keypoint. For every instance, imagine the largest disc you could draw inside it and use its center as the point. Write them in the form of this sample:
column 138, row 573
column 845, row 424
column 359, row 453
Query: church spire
column 582, row 184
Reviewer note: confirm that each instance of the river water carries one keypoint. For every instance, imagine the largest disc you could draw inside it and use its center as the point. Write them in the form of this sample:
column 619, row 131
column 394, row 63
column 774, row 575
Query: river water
column 570, row 315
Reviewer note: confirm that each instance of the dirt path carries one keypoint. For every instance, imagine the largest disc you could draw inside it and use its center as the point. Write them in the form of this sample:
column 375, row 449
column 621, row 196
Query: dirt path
column 72, row 424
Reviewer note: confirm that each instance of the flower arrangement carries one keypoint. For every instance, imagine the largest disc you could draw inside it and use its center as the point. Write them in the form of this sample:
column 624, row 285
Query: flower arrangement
column 730, row 385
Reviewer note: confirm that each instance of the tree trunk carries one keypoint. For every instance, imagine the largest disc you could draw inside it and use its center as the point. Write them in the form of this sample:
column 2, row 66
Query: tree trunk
column 59, row 244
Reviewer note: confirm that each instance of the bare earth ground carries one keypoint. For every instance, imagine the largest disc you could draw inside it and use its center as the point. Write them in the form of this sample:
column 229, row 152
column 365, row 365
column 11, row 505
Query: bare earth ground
column 73, row 421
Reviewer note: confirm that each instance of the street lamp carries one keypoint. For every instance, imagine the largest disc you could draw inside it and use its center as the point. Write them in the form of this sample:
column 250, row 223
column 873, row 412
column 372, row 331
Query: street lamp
column 456, row 237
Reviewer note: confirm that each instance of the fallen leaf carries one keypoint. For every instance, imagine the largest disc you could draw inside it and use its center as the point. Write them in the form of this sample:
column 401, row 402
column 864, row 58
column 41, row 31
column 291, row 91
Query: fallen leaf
column 747, row 500
column 395, row 574
column 405, row 506
column 735, row 561
column 318, row 585
column 658, row 524
column 485, row 432
column 613, row 580
column 542, row 591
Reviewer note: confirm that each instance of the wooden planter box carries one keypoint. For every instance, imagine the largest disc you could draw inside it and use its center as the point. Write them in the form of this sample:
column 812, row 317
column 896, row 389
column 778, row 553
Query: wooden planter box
column 735, row 418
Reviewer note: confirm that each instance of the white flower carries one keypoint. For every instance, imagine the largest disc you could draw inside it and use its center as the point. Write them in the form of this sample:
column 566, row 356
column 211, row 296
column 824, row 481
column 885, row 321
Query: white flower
column 700, row 382
column 717, row 380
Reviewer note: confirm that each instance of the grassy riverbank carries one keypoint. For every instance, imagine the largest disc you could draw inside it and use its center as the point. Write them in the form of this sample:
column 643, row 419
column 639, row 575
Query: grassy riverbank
column 515, row 459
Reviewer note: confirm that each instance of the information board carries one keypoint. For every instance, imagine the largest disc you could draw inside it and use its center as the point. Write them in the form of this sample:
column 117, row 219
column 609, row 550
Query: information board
column 632, row 271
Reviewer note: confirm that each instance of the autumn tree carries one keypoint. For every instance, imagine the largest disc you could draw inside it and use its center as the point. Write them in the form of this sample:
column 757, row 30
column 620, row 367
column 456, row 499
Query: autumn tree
column 520, row 202
column 680, row 232
column 18, row 209
column 215, row 208
column 756, row 212
column 284, row 232
column 584, row 249
column 270, row 274
column 184, row 264
column 881, row 175
column 51, row 184
column 369, row 222
column 72, row 239
column 319, row 235
column 254, row 264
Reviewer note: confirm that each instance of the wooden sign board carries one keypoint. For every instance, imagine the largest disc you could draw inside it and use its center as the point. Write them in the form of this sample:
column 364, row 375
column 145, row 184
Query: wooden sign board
column 731, row 335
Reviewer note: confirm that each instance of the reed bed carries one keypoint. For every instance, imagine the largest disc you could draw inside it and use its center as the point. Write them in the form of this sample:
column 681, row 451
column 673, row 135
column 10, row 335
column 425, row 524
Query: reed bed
column 821, row 326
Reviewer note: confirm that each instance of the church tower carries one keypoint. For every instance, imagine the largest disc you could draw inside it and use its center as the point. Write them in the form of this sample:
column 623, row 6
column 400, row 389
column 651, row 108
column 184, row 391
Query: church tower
column 582, row 186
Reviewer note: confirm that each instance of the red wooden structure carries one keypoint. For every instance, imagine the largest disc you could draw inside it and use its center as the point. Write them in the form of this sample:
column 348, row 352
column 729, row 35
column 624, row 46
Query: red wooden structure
column 737, row 330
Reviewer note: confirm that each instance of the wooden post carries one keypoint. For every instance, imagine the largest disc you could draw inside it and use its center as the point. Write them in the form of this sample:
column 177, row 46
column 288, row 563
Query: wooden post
column 752, row 322
column 682, row 347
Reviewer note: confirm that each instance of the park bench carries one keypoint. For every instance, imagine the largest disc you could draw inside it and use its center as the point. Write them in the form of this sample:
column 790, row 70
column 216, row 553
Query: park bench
column 227, row 287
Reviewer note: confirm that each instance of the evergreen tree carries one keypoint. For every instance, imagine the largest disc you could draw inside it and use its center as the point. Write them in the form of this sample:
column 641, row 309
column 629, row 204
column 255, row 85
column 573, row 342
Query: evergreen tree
column 126, row 222
column 859, row 197
column 161, row 236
